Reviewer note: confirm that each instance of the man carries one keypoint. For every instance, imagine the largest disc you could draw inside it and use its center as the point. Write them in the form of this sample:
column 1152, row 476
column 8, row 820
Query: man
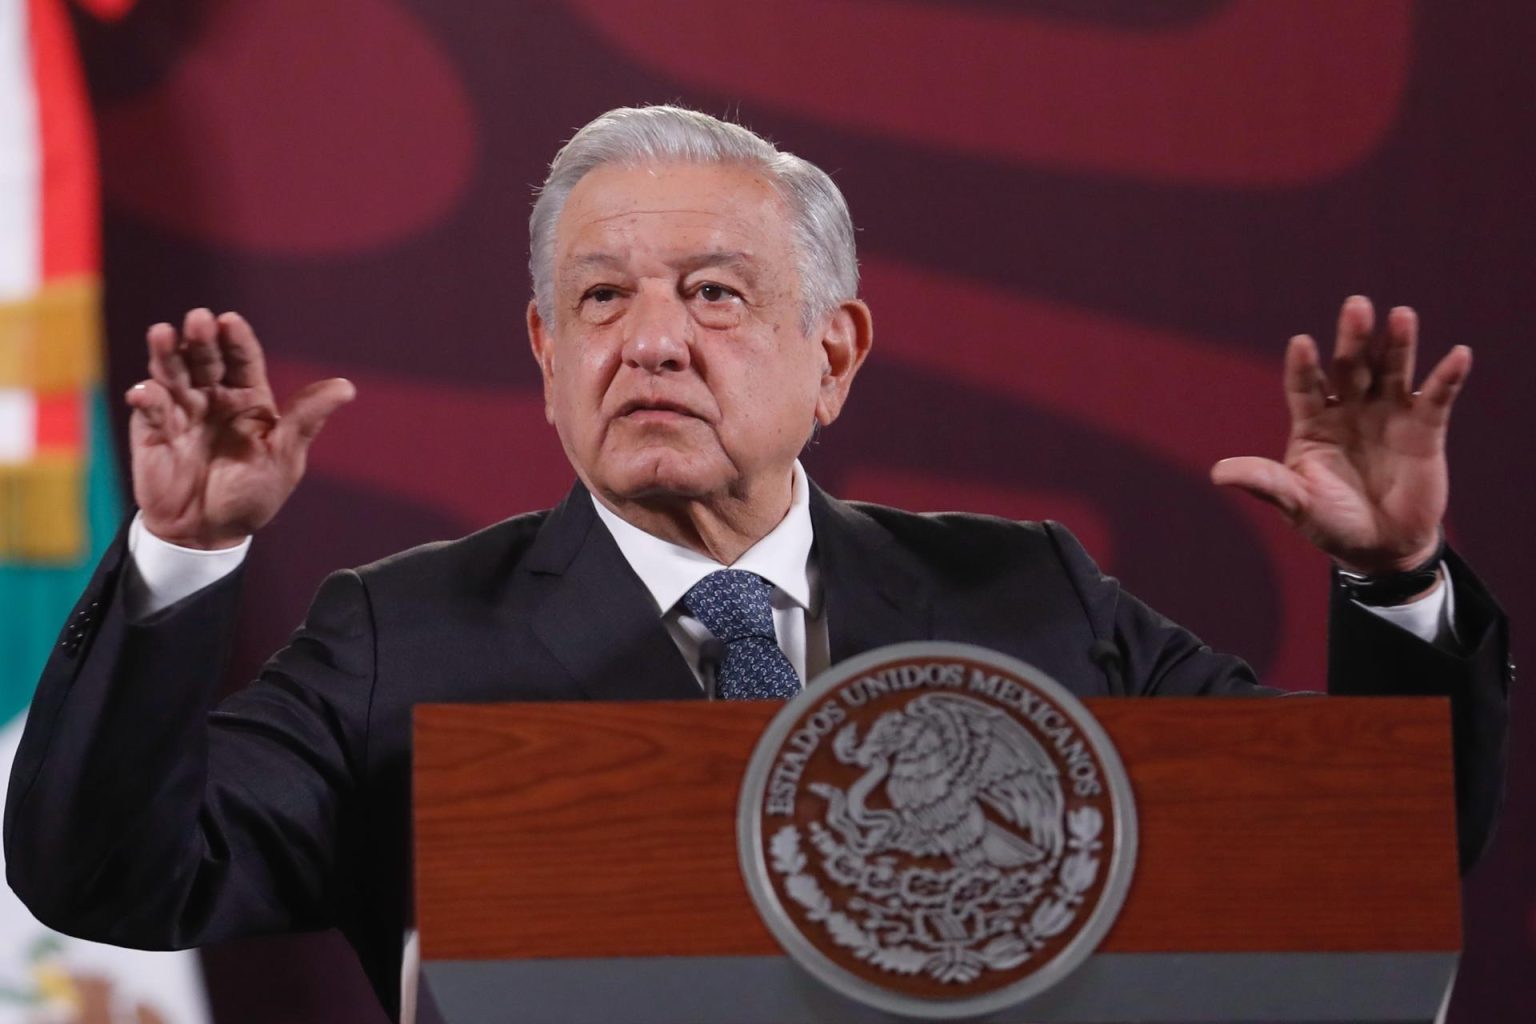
column 695, row 318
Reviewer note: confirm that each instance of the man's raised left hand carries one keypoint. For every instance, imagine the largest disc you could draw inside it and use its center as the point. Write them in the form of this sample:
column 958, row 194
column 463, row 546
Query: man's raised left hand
column 1364, row 472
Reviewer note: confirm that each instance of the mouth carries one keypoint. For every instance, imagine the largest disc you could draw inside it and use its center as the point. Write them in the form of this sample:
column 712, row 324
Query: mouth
column 655, row 410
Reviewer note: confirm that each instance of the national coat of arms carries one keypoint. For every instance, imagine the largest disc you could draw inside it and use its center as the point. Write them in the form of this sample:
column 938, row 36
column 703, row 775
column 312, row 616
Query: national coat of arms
column 937, row 830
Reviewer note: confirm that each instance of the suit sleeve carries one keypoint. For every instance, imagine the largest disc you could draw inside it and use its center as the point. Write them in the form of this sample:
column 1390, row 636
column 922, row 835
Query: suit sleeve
column 1157, row 657
column 141, row 814
column 1367, row 656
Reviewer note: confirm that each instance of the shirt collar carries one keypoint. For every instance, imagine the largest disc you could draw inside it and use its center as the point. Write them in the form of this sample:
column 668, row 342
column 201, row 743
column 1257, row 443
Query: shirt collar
column 669, row 570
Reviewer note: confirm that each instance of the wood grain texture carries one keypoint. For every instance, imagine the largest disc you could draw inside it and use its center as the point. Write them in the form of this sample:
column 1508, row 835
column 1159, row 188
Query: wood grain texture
column 600, row 830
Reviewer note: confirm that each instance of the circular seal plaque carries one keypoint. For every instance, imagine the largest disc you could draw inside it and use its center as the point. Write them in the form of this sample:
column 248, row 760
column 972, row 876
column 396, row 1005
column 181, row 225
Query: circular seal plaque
column 937, row 830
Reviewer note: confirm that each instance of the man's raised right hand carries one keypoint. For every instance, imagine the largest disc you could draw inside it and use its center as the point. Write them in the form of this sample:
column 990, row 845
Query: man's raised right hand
column 213, row 459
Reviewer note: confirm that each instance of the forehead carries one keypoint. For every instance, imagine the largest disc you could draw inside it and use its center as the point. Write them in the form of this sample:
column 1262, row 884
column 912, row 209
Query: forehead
column 672, row 210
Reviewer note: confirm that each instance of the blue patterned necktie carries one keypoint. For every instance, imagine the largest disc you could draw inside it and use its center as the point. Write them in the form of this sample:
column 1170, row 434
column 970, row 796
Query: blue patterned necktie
column 733, row 605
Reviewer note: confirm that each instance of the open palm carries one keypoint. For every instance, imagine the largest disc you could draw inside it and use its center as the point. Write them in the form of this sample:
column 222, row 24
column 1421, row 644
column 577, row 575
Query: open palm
column 1364, row 472
column 213, row 458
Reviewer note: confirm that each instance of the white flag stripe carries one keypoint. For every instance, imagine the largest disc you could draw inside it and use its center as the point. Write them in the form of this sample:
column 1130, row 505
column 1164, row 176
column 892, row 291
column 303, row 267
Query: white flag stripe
column 21, row 244
column 18, row 427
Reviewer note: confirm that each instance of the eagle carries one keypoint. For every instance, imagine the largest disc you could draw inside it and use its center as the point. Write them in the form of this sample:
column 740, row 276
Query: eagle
column 945, row 759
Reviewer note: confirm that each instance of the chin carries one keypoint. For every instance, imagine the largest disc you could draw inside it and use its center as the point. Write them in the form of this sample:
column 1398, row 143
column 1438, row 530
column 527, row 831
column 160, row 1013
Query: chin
column 662, row 475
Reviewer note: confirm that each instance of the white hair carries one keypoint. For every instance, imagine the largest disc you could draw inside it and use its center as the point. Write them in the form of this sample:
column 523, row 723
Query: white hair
column 632, row 136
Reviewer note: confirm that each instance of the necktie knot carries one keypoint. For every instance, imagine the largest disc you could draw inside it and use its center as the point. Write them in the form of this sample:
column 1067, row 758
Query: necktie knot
column 735, row 607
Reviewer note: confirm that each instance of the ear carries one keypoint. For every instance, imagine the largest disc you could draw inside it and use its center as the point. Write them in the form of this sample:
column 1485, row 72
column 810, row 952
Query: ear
column 543, row 347
column 845, row 342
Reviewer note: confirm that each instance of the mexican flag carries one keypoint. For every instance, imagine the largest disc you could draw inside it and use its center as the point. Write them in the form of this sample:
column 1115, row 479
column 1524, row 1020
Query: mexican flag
column 60, row 500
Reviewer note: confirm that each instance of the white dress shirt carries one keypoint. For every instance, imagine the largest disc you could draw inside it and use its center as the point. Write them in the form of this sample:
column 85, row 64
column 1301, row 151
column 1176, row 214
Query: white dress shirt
column 783, row 558
column 160, row 573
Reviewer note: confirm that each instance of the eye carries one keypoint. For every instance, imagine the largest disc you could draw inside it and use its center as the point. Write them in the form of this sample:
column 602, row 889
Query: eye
column 711, row 292
column 602, row 293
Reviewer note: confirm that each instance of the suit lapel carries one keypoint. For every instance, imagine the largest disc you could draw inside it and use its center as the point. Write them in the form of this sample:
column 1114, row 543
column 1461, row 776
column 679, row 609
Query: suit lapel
column 596, row 617
column 600, row 623
column 874, row 592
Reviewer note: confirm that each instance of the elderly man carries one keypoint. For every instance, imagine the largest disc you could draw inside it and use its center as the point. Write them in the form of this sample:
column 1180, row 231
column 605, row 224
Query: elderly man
column 695, row 317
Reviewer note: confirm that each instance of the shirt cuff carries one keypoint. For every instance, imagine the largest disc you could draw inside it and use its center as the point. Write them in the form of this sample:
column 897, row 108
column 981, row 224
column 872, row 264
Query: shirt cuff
column 161, row 573
column 1431, row 618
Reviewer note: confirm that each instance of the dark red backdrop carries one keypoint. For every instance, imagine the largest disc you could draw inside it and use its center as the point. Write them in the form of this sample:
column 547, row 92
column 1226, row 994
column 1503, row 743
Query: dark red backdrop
column 1088, row 227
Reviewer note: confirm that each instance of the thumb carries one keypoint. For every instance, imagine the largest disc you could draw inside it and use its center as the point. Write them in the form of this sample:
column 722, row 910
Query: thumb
column 308, row 410
column 1265, row 479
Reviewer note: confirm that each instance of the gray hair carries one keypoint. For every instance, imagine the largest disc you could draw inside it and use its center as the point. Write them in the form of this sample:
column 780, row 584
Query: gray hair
column 823, row 230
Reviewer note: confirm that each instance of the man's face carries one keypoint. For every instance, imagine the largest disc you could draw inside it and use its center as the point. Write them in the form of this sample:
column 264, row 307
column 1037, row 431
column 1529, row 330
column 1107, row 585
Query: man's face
column 676, row 365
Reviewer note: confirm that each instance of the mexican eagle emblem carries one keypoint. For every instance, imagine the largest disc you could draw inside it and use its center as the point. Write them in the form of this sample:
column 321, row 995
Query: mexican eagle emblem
column 936, row 828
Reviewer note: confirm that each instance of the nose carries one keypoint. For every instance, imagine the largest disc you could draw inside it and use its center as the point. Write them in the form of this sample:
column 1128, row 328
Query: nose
column 656, row 332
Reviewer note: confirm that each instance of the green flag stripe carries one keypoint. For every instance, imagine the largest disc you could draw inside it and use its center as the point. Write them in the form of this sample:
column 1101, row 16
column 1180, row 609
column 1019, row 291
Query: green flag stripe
column 35, row 600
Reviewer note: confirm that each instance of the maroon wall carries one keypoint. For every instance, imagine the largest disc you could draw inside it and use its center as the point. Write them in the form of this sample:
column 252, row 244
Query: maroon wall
column 1088, row 227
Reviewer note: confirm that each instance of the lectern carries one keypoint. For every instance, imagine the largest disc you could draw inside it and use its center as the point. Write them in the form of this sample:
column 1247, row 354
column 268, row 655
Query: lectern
column 577, row 864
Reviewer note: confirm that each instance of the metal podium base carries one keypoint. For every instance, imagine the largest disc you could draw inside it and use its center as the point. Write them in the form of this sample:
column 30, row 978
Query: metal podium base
column 1156, row 988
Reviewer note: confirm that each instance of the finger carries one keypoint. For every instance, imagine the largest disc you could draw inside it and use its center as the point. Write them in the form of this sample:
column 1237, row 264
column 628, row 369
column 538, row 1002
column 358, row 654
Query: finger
column 1306, row 386
column 244, row 364
column 1441, row 387
column 153, row 408
column 1266, row 480
column 1351, row 369
column 310, row 408
column 1397, row 353
column 165, row 362
column 200, row 348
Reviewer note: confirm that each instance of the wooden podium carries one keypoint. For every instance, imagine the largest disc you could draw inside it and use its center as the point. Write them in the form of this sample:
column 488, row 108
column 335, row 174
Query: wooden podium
column 577, row 863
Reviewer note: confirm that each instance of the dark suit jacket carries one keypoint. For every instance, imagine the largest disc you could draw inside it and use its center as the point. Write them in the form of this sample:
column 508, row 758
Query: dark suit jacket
column 141, row 815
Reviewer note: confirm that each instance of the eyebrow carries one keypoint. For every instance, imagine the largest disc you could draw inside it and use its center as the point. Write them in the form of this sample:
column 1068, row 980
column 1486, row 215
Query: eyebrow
column 731, row 259
column 595, row 260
